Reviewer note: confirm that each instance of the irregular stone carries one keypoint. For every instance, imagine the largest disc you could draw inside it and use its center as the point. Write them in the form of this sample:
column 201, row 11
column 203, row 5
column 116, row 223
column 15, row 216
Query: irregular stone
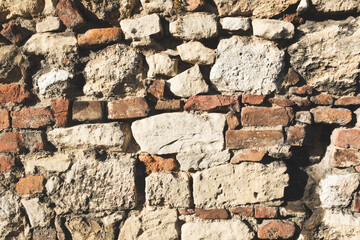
column 303, row 6
column 345, row 158
column 188, row 83
column 30, row 185
column 112, row 71
column 331, row 7
column 232, row 120
column 213, row 103
column 336, row 190
column 346, row 138
column 276, row 229
column 247, row 211
column 347, row 101
column 341, row 226
column 244, row 138
column 198, row 161
column 12, row 63
column 50, row 7
column 251, row 155
column 294, row 18
column 58, row 162
column 301, row 101
column 216, row 187
column 154, row 163
column 10, row 218
column 14, row 33
column 93, row 186
column 302, row 91
column 235, row 24
column 186, row 211
column 322, row 99
column 252, row 99
column 181, row 135
column 273, row 29
column 70, row 15
column 168, row 189
column 102, row 135
column 11, row 142
column 196, row 53
column 82, row 228
column 265, row 116
column 230, row 230
column 6, row 163
column 295, row 135
column 291, row 78
column 169, row 105
column 49, row 24
column 157, row 6
column 37, row 213
column 195, row 26
column 4, row 119
column 258, row 8
column 42, row 234
column 161, row 64
column 34, row 140
column 142, row 27
column 303, row 117
column 88, row 111
column 327, row 115
column 320, row 69
column 99, row 36
column 211, row 214
column 18, row 8
column 157, row 89
column 128, row 108
column 32, row 117
column 282, row 101
column 53, row 82
column 61, row 109
column 265, row 212
column 231, row 70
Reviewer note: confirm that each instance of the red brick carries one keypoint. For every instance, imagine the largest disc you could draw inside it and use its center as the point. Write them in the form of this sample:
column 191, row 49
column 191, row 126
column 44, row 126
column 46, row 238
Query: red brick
column 11, row 142
column 61, row 109
column 265, row 116
column 345, row 158
column 265, row 212
column 4, row 119
column 243, row 211
column 302, row 91
column 6, row 163
column 347, row 101
column 250, row 155
column 232, row 120
column 194, row 5
column 30, row 185
column 169, row 105
column 213, row 103
column 253, row 99
column 99, row 36
column 186, row 211
column 356, row 204
column 32, row 117
column 243, row 138
column 328, row 115
column 34, row 140
column 87, row 111
column 14, row 33
column 294, row 19
column 346, row 138
column 303, row 117
column 211, row 214
column 282, row 101
column 128, row 108
column 157, row 89
column 276, row 229
column 295, row 135
column 301, row 101
column 69, row 14
column 322, row 99
column 154, row 163
column 14, row 93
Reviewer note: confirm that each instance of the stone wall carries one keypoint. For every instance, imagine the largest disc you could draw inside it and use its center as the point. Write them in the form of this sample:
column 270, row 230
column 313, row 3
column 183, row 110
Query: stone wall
column 179, row 119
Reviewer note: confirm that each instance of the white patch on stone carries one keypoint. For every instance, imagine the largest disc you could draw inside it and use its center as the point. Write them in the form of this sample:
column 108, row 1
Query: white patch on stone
column 55, row 76
column 49, row 24
column 196, row 53
column 342, row 226
column 59, row 162
column 142, row 27
column 198, row 161
column 157, row 5
column 235, row 24
column 273, row 29
column 161, row 64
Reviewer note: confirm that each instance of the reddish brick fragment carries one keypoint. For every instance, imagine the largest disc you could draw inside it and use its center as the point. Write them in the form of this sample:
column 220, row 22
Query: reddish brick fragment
column 294, row 19
column 14, row 93
column 11, row 142
column 265, row 116
column 322, row 99
column 128, row 108
column 4, row 119
column 276, row 229
column 211, row 214
column 169, row 105
column 302, row 91
column 250, row 155
column 186, row 211
column 253, row 99
column 154, row 163
column 213, row 103
column 87, row 111
column 243, row 138
column 282, row 101
column 265, row 212
column 345, row 158
column 291, row 78
column 295, row 135
column 34, row 140
column 30, row 185
column 328, row 115
column 194, row 5
column 346, row 138
column 301, row 101
column 61, row 109
column 6, row 163
column 14, row 33
column 32, row 117
column 99, row 36
column 232, row 120
column 348, row 101
column 157, row 89
column 243, row 211
column 356, row 204
column 69, row 14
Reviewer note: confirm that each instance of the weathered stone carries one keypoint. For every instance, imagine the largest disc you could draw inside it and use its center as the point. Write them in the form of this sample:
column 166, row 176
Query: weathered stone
column 264, row 116
column 49, row 24
column 154, row 163
column 252, row 99
column 345, row 158
column 161, row 64
column 188, row 83
column 294, row 18
column 169, row 105
column 322, row 99
column 10, row 218
column 14, row 33
column 157, row 89
column 348, row 101
column 301, row 101
column 341, row 226
column 247, row 211
column 218, row 186
column 128, row 108
column 346, row 138
column 196, row 53
column 301, row 91
column 303, row 117
column 244, row 138
column 258, row 8
column 216, row 230
column 168, row 189
column 4, row 119
column 295, row 135
column 37, row 213
column 42, row 234
column 142, row 27
column 93, row 185
column 327, row 115
column 248, row 155
column 19, row 8
column 175, row 132
column 273, row 29
column 211, row 213
column 265, row 212
column 55, row 82
column 194, row 26
column 232, row 120
column 104, row 135
column 213, row 103
column 320, row 69
column 231, row 71
column 235, row 24
column 88, row 111
column 356, row 204
column 99, row 36
column 34, row 140
column 6, row 163
column 333, row 6
column 30, row 185
column 32, row 117
column 336, row 190
column 11, row 142
column 276, row 229
column 12, row 64
column 282, row 101
column 198, row 161
column 61, row 109
column 58, row 162
column 69, row 14
column 303, row 6
column 157, row 6
column 112, row 71
column 186, row 211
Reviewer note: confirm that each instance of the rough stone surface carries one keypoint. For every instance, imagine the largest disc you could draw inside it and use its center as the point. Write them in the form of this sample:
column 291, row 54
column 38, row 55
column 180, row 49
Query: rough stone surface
column 11, row 142
column 322, row 99
column 303, row 117
column 61, row 111
column 113, row 70
column 265, row 212
column 196, row 53
column 231, row 71
column 11, row 221
column 49, row 24
column 4, row 119
column 59, row 162
column 11, row 9
column 273, row 29
column 103, row 135
column 345, row 158
column 55, row 82
column 348, row 101
column 248, row 155
column 11, row 61
column 232, row 120
column 195, row 26
column 320, row 69
column 154, row 163
column 169, row 105
column 88, row 111
column 99, row 36
column 188, row 83
column 32, row 117
column 295, row 135
column 331, row 7
column 263, row 116
column 346, row 138
column 341, row 226
column 218, row 186
column 235, row 24
column 128, row 108
column 142, row 27
column 168, row 189
column 198, row 161
column 339, row 116
column 181, row 135
column 252, row 99
column 244, row 138
column 37, row 213
column 276, row 230
column 213, row 103
column 157, row 5
column 6, row 163
column 161, row 64
column 69, row 14
column 216, row 230
column 93, row 185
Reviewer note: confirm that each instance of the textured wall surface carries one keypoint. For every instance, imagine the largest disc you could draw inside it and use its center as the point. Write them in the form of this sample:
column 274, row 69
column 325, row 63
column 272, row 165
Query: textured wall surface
column 179, row 119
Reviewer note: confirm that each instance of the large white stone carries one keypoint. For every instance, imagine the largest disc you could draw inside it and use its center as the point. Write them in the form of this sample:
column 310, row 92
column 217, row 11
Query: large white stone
column 198, row 161
column 194, row 26
column 38, row 213
column 49, row 24
column 157, row 5
column 168, row 189
column 273, row 29
column 232, row 185
column 57, row 78
column 235, row 24
column 188, row 83
column 229, row 230
column 336, row 6
column 247, row 64
column 161, row 64
column 102, row 135
column 10, row 214
column 59, row 162
column 341, row 226
column 196, row 53
column 142, row 27
column 180, row 132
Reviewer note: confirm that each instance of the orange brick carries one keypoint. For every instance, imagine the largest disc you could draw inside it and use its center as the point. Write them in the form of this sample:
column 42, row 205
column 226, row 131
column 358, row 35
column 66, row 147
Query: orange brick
column 30, row 185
